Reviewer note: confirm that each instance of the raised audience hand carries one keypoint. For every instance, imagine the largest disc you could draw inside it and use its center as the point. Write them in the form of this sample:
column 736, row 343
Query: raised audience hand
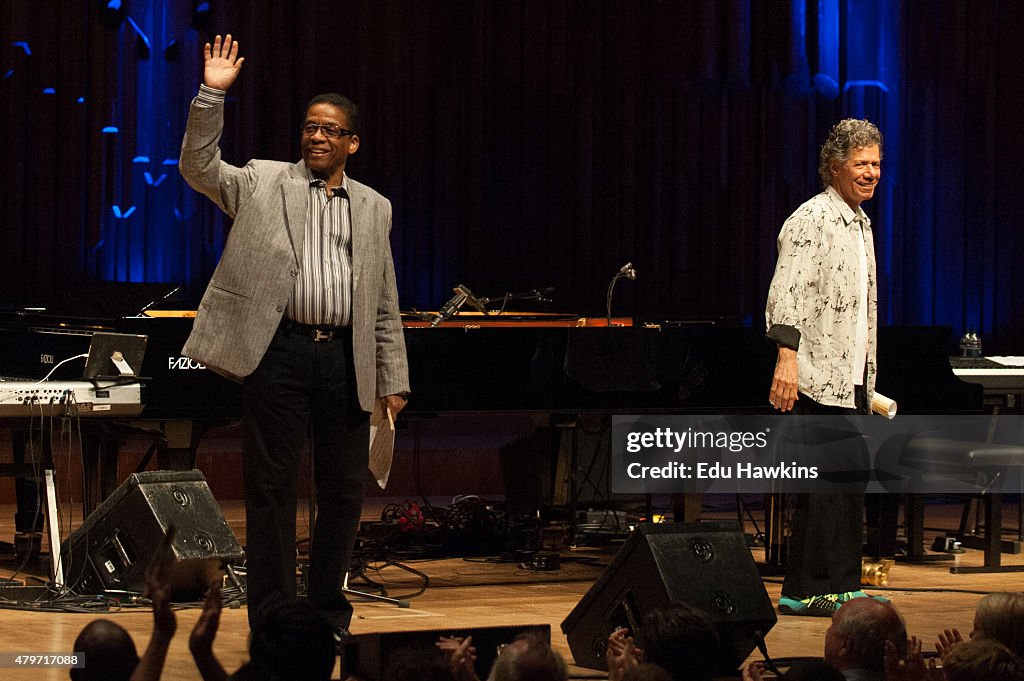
column 947, row 639
column 622, row 654
column 461, row 656
column 911, row 668
column 200, row 641
column 754, row 671
column 221, row 63
column 158, row 590
column 158, row 587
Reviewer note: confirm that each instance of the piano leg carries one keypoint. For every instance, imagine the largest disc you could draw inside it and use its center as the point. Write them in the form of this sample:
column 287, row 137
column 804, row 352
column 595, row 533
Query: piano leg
column 526, row 473
column 31, row 456
column 776, row 520
column 101, row 446
column 915, row 527
column 179, row 452
column 686, row 508
column 992, row 542
column 174, row 442
column 993, row 529
column 914, row 519
column 882, row 515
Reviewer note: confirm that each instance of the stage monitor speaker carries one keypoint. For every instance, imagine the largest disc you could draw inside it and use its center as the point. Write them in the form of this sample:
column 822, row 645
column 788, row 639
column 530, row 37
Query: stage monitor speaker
column 366, row 656
column 705, row 565
column 111, row 549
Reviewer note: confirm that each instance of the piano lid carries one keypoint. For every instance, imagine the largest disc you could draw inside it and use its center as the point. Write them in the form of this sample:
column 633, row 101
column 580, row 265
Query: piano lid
column 93, row 302
column 476, row 320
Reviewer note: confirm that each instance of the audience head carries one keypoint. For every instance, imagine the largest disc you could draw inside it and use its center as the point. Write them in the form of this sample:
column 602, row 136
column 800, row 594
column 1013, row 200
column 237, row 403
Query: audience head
column 109, row 652
column 528, row 658
column 982, row 659
column 292, row 641
column 1000, row 616
column 682, row 640
column 859, row 631
column 812, row 670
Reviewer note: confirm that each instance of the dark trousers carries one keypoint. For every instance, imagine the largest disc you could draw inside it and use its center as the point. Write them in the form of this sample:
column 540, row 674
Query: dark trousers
column 302, row 388
column 826, row 541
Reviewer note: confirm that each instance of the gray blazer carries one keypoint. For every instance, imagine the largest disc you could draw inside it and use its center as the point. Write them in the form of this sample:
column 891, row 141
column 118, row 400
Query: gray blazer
column 247, row 295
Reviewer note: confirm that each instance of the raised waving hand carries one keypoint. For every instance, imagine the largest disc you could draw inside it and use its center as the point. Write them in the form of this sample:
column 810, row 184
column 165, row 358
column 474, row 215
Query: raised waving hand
column 221, row 63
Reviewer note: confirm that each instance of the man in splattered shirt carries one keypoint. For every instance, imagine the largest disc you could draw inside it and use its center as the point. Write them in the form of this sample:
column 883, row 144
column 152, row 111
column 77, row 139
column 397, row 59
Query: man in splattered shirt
column 821, row 313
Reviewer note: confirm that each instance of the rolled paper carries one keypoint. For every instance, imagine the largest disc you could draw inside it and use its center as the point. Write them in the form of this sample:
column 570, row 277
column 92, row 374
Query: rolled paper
column 880, row 404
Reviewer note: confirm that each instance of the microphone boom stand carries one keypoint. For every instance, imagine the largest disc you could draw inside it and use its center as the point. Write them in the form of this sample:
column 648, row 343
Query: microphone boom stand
column 626, row 271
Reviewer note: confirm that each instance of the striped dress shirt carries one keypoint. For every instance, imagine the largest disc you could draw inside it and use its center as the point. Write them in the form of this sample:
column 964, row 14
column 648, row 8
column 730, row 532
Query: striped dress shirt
column 323, row 289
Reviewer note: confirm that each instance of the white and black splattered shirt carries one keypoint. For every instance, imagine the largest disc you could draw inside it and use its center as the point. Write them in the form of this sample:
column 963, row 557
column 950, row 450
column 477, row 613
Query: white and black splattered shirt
column 815, row 296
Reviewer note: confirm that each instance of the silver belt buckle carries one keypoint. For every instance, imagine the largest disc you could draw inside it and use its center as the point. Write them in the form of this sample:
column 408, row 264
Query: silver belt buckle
column 321, row 336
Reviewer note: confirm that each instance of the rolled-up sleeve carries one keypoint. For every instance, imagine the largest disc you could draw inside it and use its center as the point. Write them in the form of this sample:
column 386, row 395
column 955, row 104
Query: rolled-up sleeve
column 797, row 274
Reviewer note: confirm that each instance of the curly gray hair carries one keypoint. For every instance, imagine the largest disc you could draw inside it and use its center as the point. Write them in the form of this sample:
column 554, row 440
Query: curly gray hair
column 843, row 138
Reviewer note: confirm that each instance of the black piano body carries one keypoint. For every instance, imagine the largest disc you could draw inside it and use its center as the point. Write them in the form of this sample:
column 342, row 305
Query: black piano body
column 456, row 367
column 489, row 365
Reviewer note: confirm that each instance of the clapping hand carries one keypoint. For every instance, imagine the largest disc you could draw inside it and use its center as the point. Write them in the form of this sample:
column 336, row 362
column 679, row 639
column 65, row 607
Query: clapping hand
column 158, row 590
column 754, row 671
column 912, row 667
column 221, row 63
column 622, row 654
column 461, row 656
column 158, row 587
column 947, row 639
column 200, row 642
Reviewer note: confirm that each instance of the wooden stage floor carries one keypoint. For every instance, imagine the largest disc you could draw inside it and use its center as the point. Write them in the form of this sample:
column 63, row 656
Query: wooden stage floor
column 467, row 593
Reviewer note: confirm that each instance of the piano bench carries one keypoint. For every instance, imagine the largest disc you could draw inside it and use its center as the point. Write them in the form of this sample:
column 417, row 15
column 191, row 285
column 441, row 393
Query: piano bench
column 960, row 458
column 984, row 464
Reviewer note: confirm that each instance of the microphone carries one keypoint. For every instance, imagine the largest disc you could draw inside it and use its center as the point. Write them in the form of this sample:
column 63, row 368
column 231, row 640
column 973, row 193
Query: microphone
column 626, row 271
column 543, row 293
column 538, row 294
column 450, row 308
column 478, row 303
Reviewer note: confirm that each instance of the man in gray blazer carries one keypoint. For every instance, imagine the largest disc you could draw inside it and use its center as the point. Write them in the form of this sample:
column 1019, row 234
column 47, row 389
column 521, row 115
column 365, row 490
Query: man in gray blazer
column 303, row 310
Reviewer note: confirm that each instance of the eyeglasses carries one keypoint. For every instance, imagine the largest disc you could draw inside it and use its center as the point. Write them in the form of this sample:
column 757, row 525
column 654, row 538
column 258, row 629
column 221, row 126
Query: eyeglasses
column 328, row 129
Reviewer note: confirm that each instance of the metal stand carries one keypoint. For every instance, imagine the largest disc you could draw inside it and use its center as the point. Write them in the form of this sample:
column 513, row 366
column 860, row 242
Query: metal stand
column 382, row 597
column 360, row 573
column 576, row 476
column 743, row 514
column 53, row 530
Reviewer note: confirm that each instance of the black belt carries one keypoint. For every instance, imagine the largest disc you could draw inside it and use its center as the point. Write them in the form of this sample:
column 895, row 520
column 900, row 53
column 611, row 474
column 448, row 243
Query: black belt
column 319, row 333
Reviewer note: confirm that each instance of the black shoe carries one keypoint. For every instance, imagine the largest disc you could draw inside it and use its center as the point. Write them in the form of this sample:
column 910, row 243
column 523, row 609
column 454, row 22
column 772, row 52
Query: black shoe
column 342, row 637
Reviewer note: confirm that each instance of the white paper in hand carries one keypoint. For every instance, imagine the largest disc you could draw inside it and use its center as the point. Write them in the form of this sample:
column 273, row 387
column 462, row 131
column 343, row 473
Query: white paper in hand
column 884, row 406
column 382, row 442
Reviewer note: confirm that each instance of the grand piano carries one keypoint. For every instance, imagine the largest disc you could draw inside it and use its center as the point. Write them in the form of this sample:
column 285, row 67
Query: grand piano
column 558, row 364
column 509, row 362
column 553, row 363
